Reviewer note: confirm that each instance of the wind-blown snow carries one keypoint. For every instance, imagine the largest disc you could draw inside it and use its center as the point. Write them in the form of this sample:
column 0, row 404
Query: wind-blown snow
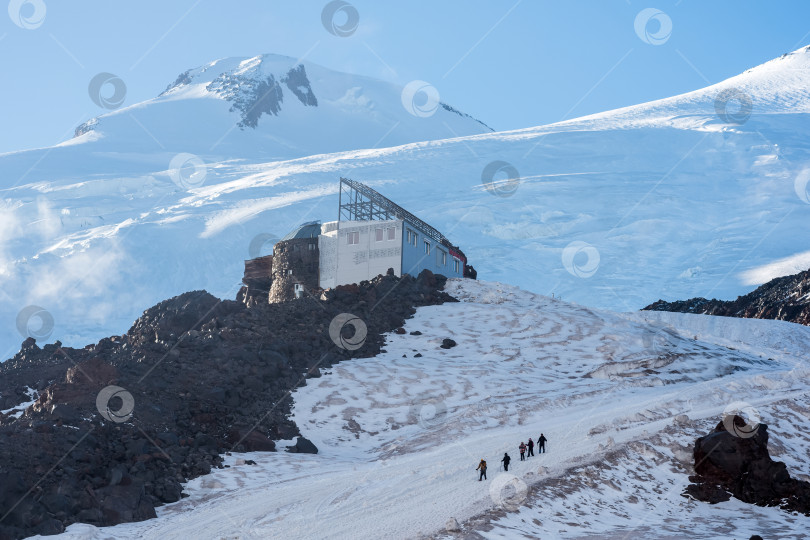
column 399, row 435
column 661, row 200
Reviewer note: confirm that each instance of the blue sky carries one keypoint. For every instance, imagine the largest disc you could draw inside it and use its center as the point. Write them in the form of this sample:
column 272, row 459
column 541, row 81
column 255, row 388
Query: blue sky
column 510, row 63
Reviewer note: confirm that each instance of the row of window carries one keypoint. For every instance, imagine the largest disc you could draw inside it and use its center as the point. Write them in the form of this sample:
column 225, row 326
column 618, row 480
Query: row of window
column 390, row 232
column 411, row 237
column 441, row 255
column 380, row 233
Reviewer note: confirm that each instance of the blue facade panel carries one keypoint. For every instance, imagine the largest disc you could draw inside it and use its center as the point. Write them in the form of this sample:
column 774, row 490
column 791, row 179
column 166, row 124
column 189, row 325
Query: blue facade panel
column 420, row 252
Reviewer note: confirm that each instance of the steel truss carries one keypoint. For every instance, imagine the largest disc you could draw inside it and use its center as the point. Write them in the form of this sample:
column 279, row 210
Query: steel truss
column 358, row 202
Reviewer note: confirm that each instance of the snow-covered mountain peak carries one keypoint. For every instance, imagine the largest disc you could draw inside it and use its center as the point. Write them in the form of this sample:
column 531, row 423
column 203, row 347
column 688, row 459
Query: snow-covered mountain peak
column 277, row 105
column 240, row 72
column 798, row 59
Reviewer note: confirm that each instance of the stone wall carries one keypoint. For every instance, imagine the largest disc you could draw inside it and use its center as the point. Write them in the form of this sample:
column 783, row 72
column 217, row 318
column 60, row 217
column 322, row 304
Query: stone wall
column 294, row 261
column 258, row 280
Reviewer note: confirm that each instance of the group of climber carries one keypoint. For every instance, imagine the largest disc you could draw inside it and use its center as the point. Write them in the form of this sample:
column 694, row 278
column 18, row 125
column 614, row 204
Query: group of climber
column 541, row 447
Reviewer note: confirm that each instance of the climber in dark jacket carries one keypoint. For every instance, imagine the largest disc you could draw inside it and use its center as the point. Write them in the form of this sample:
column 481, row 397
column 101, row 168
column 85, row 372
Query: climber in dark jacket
column 483, row 468
column 531, row 447
column 506, row 459
column 541, row 443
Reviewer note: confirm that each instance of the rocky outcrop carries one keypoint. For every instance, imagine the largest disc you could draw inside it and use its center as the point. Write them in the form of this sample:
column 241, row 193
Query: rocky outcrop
column 733, row 465
column 118, row 426
column 253, row 94
column 258, row 280
column 786, row 299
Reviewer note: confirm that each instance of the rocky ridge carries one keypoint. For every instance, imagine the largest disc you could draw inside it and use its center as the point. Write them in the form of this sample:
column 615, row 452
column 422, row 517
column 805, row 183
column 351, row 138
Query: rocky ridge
column 786, row 299
column 194, row 377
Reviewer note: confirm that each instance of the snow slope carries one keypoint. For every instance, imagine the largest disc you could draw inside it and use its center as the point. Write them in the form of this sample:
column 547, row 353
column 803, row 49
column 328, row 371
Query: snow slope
column 399, row 435
column 667, row 199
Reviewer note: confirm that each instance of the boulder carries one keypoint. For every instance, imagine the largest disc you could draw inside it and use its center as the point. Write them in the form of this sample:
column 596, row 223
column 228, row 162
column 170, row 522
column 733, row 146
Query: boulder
column 247, row 440
column 303, row 446
column 125, row 503
column 448, row 343
column 738, row 464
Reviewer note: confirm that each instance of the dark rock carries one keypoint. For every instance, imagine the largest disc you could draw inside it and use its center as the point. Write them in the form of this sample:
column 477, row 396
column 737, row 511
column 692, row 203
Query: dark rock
column 247, row 440
column 65, row 412
column 448, row 343
column 203, row 374
column 784, row 298
column 56, row 503
column 303, row 446
column 125, row 503
column 49, row 526
column 739, row 464
column 416, row 333
column 168, row 438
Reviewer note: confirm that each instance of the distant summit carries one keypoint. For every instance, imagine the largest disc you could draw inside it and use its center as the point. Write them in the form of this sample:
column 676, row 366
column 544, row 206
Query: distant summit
column 276, row 105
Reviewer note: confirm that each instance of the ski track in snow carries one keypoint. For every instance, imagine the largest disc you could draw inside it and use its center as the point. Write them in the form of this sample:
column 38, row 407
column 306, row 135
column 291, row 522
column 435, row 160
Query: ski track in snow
column 399, row 437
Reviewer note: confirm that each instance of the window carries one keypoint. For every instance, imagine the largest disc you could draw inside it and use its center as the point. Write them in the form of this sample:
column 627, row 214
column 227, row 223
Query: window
column 312, row 247
column 408, row 235
column 378, row 234
column 392, row 233
column 289, row 272
column 441, row 257
column 296, row 247
column 427, row 247
column 412, row 238
column 353, row 237
column 455, row 265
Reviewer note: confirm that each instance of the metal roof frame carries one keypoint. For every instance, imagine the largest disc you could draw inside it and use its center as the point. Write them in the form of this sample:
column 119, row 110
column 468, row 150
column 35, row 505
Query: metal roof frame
column 358, row 202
